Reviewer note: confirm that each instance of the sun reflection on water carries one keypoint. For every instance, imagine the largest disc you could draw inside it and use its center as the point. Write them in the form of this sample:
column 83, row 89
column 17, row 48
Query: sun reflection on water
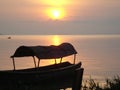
column 56, row 40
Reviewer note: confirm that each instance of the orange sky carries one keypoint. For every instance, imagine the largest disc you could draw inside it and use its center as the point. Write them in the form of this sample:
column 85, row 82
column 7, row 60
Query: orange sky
column 78, row 8
column 90, row 11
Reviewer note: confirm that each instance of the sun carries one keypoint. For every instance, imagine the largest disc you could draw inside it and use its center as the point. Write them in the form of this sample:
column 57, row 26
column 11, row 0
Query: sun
column 55, row 14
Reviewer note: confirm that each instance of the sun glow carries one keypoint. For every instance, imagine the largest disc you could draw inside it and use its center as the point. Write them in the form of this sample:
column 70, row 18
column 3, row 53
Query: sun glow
column 54, row 9
column 58, row 3
column 55, row 14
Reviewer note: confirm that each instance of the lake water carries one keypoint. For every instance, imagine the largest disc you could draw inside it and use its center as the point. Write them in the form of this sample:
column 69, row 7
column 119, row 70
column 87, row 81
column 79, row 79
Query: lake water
column 99, row 54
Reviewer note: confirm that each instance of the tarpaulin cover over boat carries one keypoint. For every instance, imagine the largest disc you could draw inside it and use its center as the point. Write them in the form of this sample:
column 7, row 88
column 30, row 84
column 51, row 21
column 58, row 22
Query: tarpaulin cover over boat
column 45, row 52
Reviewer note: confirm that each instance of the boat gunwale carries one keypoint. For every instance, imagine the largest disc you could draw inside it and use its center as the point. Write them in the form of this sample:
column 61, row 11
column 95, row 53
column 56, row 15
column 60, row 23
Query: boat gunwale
column 46, row 69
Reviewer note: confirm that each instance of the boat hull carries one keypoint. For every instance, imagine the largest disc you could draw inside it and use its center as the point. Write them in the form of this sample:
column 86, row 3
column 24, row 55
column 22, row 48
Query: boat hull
column 61, row 75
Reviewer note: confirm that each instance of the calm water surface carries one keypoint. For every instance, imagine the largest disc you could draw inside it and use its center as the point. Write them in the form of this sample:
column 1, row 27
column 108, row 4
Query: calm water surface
column 99, row 54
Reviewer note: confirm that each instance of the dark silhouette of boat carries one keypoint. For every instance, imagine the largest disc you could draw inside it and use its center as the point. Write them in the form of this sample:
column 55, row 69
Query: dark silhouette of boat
column 55, row 76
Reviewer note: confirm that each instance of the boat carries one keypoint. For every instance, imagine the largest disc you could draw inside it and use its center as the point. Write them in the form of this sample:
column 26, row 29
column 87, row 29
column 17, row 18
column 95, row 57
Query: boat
column 55, row 76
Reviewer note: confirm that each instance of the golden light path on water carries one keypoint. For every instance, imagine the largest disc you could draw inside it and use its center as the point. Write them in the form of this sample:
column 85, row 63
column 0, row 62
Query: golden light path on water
column 56, row 40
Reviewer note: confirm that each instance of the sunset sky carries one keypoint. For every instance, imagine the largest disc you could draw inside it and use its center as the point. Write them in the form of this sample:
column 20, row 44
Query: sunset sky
column 60, row 17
